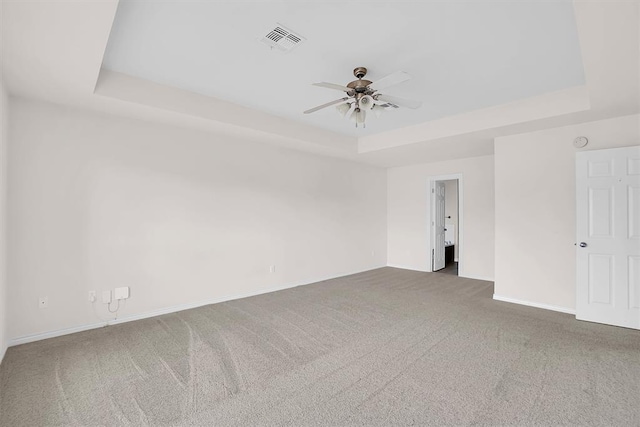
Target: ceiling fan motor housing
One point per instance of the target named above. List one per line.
(360, 85)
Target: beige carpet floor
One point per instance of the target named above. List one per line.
(385, 347)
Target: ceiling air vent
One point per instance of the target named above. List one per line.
(282, 39)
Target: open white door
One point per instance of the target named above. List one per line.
(608, 236)
(438, 226)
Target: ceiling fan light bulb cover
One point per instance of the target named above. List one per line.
(378, 110)
(366, 102)
(343, 108)
(361, 117)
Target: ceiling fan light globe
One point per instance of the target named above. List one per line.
(361, 117)
(378, 110)
(343, 109)
(366, 102)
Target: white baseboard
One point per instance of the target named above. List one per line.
(486, 279)
(56, 333)
(167, 310)
(460, 274)
(535, 304)
(404, 267)
(3, 351)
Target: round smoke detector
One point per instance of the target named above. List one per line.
(580, 142)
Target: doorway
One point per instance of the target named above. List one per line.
(446, 224)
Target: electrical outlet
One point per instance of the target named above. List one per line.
(106, 297)
(272, 269)
(43, 302)
(92, 296)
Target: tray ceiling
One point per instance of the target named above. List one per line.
(463, 56)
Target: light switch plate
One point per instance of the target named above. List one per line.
(121, 293)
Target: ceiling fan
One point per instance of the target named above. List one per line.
(364, 96)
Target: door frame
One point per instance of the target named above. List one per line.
(430, 225)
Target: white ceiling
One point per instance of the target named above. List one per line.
(53, 51)
(463, 56)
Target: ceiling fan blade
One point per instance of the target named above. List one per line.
(333, 86)
(390, 80)
(328, 104)
(384, 104)
(399, 101)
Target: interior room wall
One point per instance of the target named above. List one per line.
(4, 126)
(179, 216)
(535, 208)
(408, 212)
(451, 209)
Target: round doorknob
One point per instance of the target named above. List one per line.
(583, 245)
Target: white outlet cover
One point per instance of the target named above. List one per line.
(121, 293)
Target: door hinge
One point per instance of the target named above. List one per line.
(433, 256)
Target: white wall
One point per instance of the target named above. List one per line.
(4, 126)
(535, 208)
(451, 209)
(180, 216)
(408, 212)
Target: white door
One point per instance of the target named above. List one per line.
(438, 226)
(608, 236)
